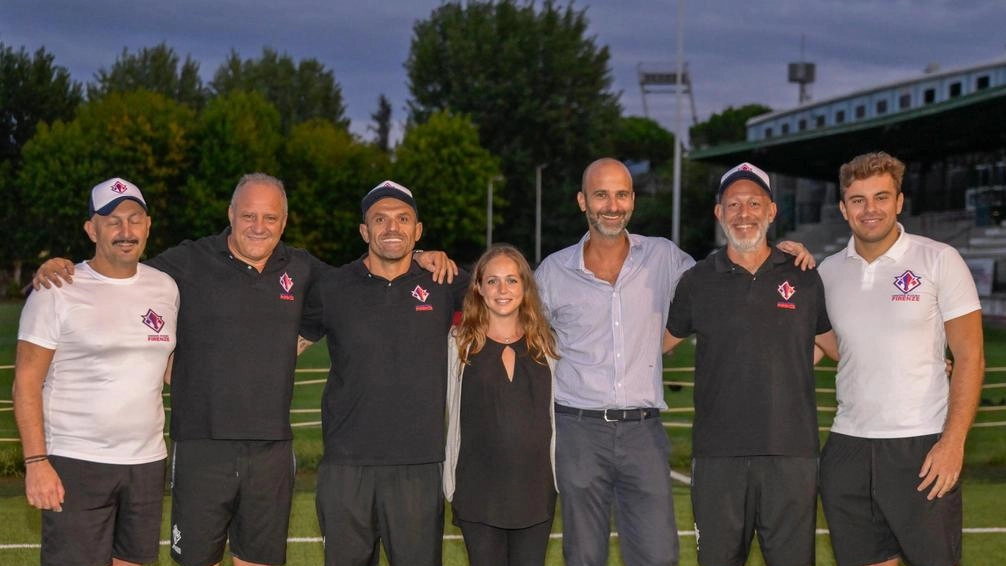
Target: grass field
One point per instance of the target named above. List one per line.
(984, 488)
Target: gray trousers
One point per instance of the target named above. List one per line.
(621, 467)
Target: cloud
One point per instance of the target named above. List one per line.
(737, 50)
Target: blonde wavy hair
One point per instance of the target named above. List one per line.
(471, 333)
(867, 165)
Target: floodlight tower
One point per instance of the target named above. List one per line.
(658, 78)
(802, 73)
(662, 78)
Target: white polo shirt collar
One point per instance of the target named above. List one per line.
(893, 253)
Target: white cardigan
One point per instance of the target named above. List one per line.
(455, 371)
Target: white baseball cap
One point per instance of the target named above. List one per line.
(107, 195)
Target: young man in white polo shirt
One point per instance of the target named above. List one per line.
(91, 362)
(890, 468)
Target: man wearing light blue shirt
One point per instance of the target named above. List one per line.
(606, 298)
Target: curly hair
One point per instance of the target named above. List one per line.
(471, 333)
(867, 165)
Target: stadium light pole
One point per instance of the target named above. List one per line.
(678, 141)
(537, 212)
(489, 210)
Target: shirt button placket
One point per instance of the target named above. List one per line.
(618, 347)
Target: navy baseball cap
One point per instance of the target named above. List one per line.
(744, 171)
(387, 189)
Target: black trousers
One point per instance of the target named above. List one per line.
(493, 546)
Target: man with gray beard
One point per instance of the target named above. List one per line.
(756, 317)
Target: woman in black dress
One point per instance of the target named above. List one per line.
(499, 472)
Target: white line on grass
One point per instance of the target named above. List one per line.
(679, 477)
(987, 425)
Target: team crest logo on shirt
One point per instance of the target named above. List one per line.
(906, 283)
(119, 187)
(786, 291)
(286, 282)
(421, 295)
(154, 322)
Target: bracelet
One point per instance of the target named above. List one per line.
(417, 252)
(34, 459)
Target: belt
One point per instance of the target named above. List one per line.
(611, 415)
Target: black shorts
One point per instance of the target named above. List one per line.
(875, 512)
(109, 510)
(735, 497)
(231, 489)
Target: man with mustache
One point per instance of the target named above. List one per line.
(91, 362)
(386, 321)
(754, 441)
(890, 470)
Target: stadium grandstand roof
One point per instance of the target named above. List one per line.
(938, 114)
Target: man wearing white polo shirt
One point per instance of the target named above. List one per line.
(890, 468)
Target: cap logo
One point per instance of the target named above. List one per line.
(387, 189)
(119, 187)
(153, 320)
(745, 167)
(396, 186)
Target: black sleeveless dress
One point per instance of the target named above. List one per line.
(504, 471)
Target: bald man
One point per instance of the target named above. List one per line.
(606, 297)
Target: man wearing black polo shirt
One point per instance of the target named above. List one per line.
(386, 321)
(242, 297)
(755, 439)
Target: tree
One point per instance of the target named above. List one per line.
(447, 169)
(382, 123)
(652, 215)
(141, 136)
(299, 91)
(326, 173)
(236, 133)
(643, 139)
(33, 91)
(728, 126)
(536, 85)
(155, 69)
